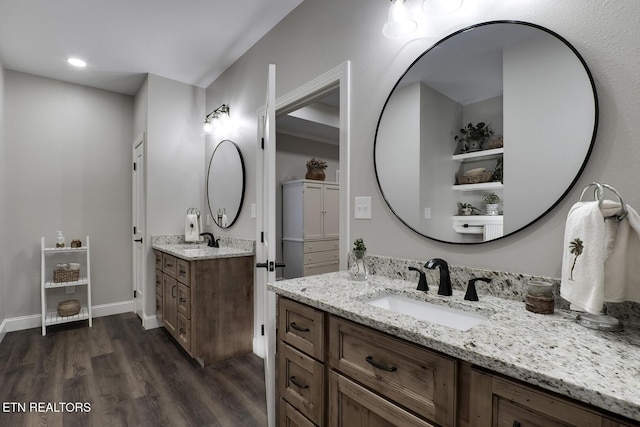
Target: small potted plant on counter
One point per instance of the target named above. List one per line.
(358, 270)
(472, 136)
(315, 169)
(491, 203)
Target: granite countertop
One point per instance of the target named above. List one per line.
(551, 351)
(199, 251)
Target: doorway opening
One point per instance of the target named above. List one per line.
(308, 211)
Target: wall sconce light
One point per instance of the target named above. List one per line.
(220, 114)
(399, 20)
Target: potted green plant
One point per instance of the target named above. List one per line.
(467, 209)
(359, 249)
(491, 203)
(472, 136)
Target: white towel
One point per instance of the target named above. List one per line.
(582, 282)
(608, 267)
(622, 265)
(192, 228)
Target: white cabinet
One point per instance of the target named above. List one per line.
(310, 227)
(49, 258)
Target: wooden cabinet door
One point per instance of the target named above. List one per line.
(501, 402)
(331, 211)
(352, 405)
(170, 302)
(313, 217)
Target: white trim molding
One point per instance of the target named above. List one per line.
(20, 323)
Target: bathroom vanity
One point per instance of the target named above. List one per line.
(344, 361)
(204, 297)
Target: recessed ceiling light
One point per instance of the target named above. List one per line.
(77, 62)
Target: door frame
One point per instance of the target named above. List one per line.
(338, 77)
(139, 191)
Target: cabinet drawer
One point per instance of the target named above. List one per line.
(289, 417)
(158, 260)
(301, 382)
(353, 405)
(184, 300)
(159, 306)
(321, 246)
(421, 380)
(169, 265)
(302, 327)
(318, 257)
(183, 332)
(159, 282)
(321, 268)
(498, 401)
(183, 270)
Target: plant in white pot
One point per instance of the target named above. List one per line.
(491, 203)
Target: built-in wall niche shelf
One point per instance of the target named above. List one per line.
(494, 153)
(479, 187)
(50, 256)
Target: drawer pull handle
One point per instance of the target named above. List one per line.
(298, 328)
(182, 331)
(516, 424)
(169, 265)
(183, 272)
(173, 288)
(296, 383)
(379, 365)
(183, 300)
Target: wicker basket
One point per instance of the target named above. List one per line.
(475, 179)
(69, 308)
(65, 275)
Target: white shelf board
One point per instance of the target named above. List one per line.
(64, 250)
(53, 318)
(83, 281)
(479, 155)
(479, 187)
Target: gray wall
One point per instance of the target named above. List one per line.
(171, 115)
(321, 34)
(67, 156)
(3, 210)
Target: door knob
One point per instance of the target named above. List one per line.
(138, 240)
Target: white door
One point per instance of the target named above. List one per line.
(266, 236)
(138, 203)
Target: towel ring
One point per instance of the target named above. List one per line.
(598, 194)
(193, 211)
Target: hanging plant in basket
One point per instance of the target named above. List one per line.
(315, 169)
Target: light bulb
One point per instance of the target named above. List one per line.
(399, 21)
(207, 128)
(77, 62)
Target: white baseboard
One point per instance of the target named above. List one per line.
(258, 346)
(35, 320)
(151, 322)
(3, 329)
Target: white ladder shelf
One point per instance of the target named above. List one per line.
(46, 283)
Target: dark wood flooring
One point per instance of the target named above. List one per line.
(126, 376)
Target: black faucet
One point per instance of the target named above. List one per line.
(422, 283)
(472, 294)
(445, 281)
(213, 242)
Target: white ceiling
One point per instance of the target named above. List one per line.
(192, 41)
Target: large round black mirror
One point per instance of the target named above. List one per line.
(225, 183)
(533, 91)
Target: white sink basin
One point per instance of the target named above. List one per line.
(439, 314)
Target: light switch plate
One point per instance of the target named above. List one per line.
(363, 208)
